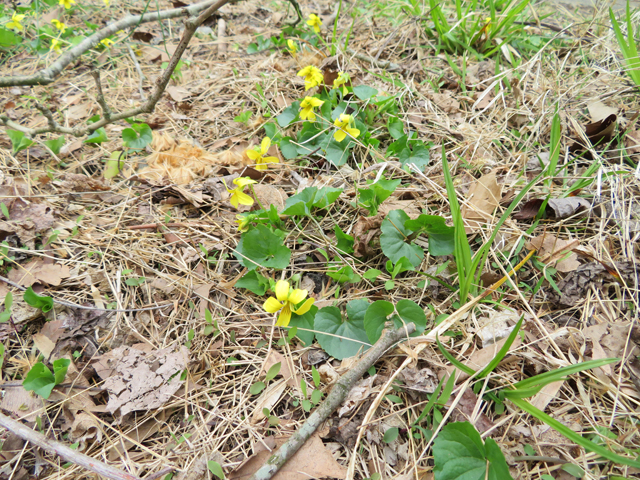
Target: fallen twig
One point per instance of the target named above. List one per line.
(335, 398)
(63, 451)
(48, 75)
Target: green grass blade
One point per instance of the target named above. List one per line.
(454, 361)
(430, 403)
(503, 351)
(573, 436)
(558, 374)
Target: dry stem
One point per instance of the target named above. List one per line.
(335, 398)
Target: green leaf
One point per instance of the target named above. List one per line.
(98, 136)
(390, 435)
(256, 388)
(459, 454)
(273, 371)
(304, 322)
(288, 149)
(364, 92)
(343, 275)
(216, 469)
(410, 312)
(39, 380)
(5, 211)
(32, 298)
(346, 337)
(288, 115)
(375, 318)
(55, 145)
(345, 242)
(325, 196)
(573, 469)
(338, 152)
(314, 374)
(419, 156)
(19, 140)
(243, 117)
(8, 302)
(441, 237)
(60, 367)
(260, 247)
(254, 282)
(311, 197)
(371, 274)
(114, 165)
(138, 136)
(396, 127)
(316, 396)
(394, 236)
(8, 39)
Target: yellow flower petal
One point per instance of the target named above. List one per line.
(339, 135)
(354, 132)
(243, 181)
(304, 308)
(271, 305)
(264, 146)
(252, 154)
(242, 198)
(297, 296)
(282, 290)
(271, 160)
(285, 317)
(260, 167)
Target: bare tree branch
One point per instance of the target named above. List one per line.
(48, 75)
(68, 454)
(335, 398)
(161, 83)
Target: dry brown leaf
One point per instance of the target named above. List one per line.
(269, 195)
(183, 162)
(313, 460)
(555, 252)
(286, 372)
(546, 395)
(83, 183)
(22, 404)
(483, 199)
(177, 93)
(357, 395)
(480, 358)
(44, 344)
(141, 381)
(446, 102)
(36, 271)
(85, 427)
(268, 399)
(566, 207)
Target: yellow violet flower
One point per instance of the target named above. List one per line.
(15, 24)
(306, 108)
(66, 3)
(312, 76)
(106, 2)
(343, 123)
(286, 301)
(342, 80)
(107, 42)
(237, 195)
(243, 222)
(55, 46)
(293, 48)
(258, 156)
(59, 25)
(314, 22)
